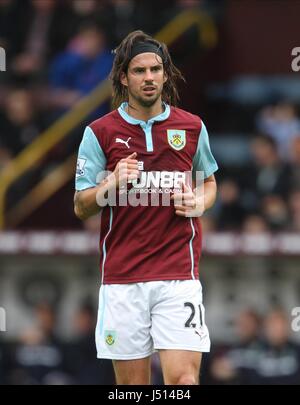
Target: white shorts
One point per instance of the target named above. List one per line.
(134, 320)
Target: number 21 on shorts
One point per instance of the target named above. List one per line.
(191, 321)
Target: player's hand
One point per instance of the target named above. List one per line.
(126, 170)
(187, 202)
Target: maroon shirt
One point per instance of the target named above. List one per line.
(147, 243)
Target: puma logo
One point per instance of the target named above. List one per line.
(201, 334)
(119, 140)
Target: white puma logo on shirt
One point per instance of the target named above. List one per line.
(119, 140)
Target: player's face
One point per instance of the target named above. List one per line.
(145, 79)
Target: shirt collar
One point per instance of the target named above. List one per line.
(161, 117)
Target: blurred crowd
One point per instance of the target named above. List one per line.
(42, 357)
(263, 194)
(51, 65)
(262, 353)
(57, 51)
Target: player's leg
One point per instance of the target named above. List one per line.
(123, 331)
(129, 372)
(180, 367)
(178, 329)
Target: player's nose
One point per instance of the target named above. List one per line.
(148, 76)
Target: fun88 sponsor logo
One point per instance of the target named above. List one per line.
(159, 179)
(154, 183)
(160, 185)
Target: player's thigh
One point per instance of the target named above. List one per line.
(178, 317)
(180, 367)
(123, 325)
(130, 372)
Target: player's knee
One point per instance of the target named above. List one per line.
(133, 379)
(187, 379)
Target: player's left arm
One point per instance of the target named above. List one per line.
(210, 192)
(194, 202)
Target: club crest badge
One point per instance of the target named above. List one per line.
(176, 138)
(110, 337)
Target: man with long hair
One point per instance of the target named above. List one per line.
(150, 296)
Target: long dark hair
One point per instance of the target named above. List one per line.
(121, 62)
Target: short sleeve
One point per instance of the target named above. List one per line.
(204, 160)
(91, 161)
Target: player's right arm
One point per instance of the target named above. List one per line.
(86, 202)
(91, 164)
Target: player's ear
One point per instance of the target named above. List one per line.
(123, 79)
(165, 77)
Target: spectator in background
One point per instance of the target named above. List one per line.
(295, 162)
(89, 10)
(123, 17)
(20, 123)
(85, 10)
(39, 357)
(255, 224)
(279, 360)
(230, 212)
(235, 365)
(281, 122)
(7, 16)
(40, 32)
(275, 212)
(208, 223)
(79, 69)
(267, 174)
(294, 206)
(10, 11)
(83, 363)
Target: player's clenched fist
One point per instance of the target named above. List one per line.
(126, 170)
(188, 203)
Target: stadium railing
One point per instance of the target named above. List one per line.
(237, 272)
(85, 243)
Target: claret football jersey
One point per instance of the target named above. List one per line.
(145, 240)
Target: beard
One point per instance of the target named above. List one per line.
(146, 101)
